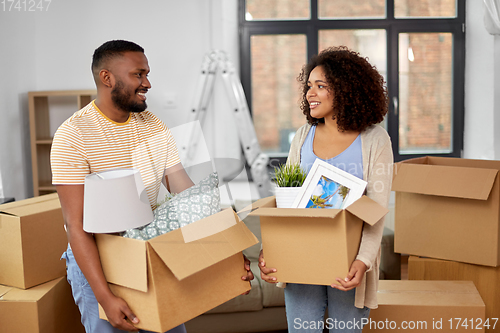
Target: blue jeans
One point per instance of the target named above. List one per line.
(87, 303)
(306, 305)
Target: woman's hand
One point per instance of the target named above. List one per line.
(354, 278)
(264, 271)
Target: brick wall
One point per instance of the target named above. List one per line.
(425, 106)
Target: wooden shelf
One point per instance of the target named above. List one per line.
(44, 142)
(46, 187)
(89, 92)
(48, 110)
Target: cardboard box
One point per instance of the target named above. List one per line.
(448, 208)
(177, 276)
(326, 239)
(32, 240)
(485, 278)
(427, 306)
(46, 308)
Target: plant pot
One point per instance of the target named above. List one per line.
(285, 196)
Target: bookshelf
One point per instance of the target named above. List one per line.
(47, 111)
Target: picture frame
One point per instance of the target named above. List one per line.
(327, 186)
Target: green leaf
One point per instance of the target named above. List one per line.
(290, 175)
(168, 196)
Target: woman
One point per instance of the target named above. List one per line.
(343, 98)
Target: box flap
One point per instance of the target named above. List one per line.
(264, 202)
(208, 226)
(295, 212)
(428, 293)
(367, 210)
(417, 160)
(28, 201)
(123, 261)
(4, 290)
(31, 206)
(427, 286)
(463, 162)
(32, 294)
(364, 208)
(456, 182)
(186, 258)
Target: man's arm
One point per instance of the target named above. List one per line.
(87, 257)
(177, 179)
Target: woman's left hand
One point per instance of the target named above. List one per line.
(354, 278)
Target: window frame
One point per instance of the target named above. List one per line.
(393, 26)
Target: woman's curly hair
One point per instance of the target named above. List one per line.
(359, 92)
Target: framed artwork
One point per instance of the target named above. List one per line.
(327, 186)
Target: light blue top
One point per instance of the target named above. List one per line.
(350, 160)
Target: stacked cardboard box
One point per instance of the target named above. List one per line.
(485, 278)
(448, 209)
(45, 308)
(32, 239)
(34, 293)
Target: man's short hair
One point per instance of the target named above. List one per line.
(110, 50)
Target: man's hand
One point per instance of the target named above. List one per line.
(119, 314)
(249, 277)
(354, 278)
(264, 271)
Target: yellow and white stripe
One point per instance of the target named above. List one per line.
(90, 142)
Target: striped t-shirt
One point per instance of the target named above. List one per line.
(91, 142)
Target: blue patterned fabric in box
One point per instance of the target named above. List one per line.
(193, 204)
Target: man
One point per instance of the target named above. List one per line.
(112, 132)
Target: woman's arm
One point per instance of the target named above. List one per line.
(379, 190)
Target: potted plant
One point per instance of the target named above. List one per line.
(289, 179)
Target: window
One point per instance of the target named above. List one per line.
(418, 46)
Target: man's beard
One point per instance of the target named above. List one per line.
(121, 99)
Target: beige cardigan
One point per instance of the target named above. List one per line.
(377, 171)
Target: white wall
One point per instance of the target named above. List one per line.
(481, 82)
(52, 51)
(496, 94)
(17, 65)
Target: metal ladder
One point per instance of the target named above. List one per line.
(214, 62)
